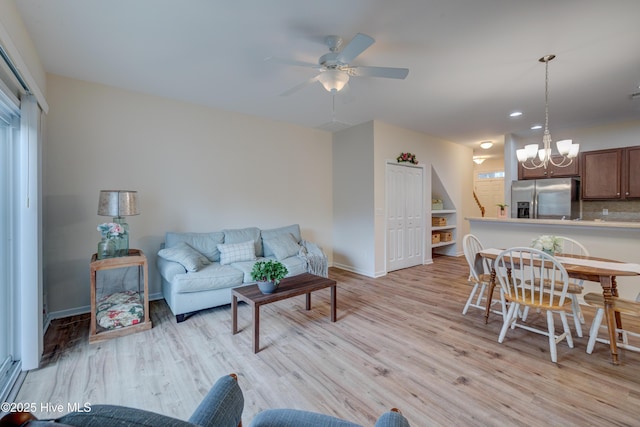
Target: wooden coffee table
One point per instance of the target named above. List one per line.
(289, 287)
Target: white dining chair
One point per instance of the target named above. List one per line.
(535, 287)
(479, 276)
(623, 306)
(571, 246)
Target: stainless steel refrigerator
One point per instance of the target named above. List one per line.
(550, 198)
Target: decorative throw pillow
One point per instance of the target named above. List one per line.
(237, 252)
(294, 229)
(240, 235)
(283, 246)
(190, 259)
(205, 243)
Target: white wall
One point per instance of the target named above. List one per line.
(360, 155)
(452, 162)
(195, 168)
(353, 182)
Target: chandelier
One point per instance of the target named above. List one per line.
(567, 149)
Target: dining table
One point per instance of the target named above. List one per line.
(593, 269)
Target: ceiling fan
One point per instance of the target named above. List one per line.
(335, 69)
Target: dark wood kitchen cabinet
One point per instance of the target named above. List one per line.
(632, 173)
(611, 174)
(552, 171)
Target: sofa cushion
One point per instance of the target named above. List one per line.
(191, 259)
(281, 246)
(237, 252)
(120, 309)
(246, 267)
(294, 230)
(213, 276)
(205, 243)
(295, 265)
(242, 235)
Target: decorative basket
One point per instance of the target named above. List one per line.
(438, 221)
(446, 236)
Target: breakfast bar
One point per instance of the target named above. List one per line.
(603, 239)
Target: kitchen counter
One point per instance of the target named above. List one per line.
(619, 241)
(562, 222)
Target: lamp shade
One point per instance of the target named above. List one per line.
(333, 80)
(118, 203)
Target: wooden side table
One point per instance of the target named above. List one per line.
(136, 258)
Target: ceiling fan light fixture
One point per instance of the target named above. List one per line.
(333, 80)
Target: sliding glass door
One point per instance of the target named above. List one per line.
(9, 366)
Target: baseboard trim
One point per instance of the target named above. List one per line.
(353, 270)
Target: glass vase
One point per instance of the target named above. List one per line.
(122, 245)
(122, 241)
(106, 248)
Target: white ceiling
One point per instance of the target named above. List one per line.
(471, 62)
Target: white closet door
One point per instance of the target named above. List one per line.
(414, 230)
(405, 228)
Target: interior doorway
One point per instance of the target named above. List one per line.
(489, 187)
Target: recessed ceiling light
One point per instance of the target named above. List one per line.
(486, 145)
(515, 114)
(536, 127)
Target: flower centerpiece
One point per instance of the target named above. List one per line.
(548, 244)
(110, 246)
(407, 158)
(268, 275)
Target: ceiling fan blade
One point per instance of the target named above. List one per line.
(300, 86)
(291, 62)
(355, 47)
(386, 72)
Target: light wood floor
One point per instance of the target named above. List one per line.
(400, 341)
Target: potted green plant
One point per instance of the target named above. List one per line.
(502, 213)
(268, 275)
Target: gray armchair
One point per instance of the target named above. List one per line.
(296, 418)
(221, 407)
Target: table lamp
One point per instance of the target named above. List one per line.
(118, 204)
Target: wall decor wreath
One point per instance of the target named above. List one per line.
(407, 158)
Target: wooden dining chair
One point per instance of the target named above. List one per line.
(479, 276)
(621, 305)
(529, 278)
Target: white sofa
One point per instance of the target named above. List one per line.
(199, 270)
